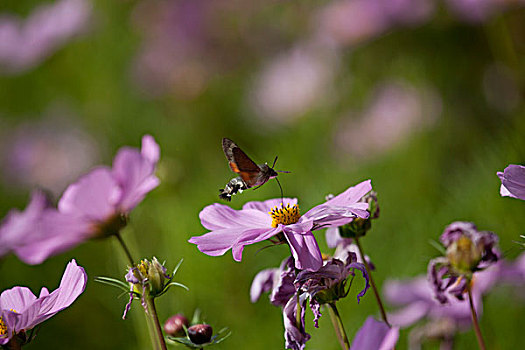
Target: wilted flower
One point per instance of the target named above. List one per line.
(97, 205)
(468, 251)
(416, 297)
(24, 44)
(258, 221)
(148, 280)
(21, 310)
(513, 181)
(290, 289)
(375, 335)
(329, 283)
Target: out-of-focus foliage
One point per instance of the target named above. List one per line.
(428, 105)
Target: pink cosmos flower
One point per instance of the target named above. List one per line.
(97, 205)
(21, 310)
(258, 221)
(513, 181)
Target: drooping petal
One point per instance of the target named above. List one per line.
(263, 282)
(93, 196)
(360, 267)
(409, 315)
(217, 242)
(135, 173)
(219, 216)
(294, 334)
(513, 181)
(375, 335)
(252, 236)
(305, 251)
(285, 288)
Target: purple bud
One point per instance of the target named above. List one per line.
(200, 333)
(174, 325)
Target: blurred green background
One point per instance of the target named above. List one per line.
(429, 108)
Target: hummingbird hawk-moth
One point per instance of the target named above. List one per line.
(250, 174)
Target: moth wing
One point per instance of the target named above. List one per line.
(240, 163)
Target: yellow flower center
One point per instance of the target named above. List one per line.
(3, 328)
(284, 215)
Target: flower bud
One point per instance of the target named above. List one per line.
(174, 325)
(464, 255)
(200, 333)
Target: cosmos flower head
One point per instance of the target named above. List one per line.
(259, 221)
(513, 181)
(467, 252)
(21, 310)
(97, 205)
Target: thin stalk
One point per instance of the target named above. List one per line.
(475, 320)
(126, 250)
(374, 288)
(156, 324)
(338, 326)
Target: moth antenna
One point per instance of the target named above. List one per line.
(283, 171)
(282, 195)
(274, 161)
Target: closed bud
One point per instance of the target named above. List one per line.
(174, 325)
(200, 333)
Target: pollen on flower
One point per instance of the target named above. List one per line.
(285, 215)
(3, 327)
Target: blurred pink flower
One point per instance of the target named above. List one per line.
(25, 43)
(351, 22)
(395, 112)
(294, 83)
(48, 153)
(95, 206)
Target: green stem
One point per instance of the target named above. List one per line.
(338, 326)
(125, 248)
(374, 288)
(475, 319)
(156, 324)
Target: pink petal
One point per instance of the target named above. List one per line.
(93, 196)
(305, 251)
(219, 216)
(269, 204)
(150, 149)
(136, 176)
